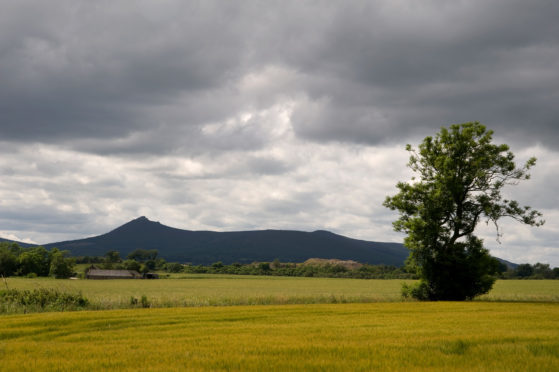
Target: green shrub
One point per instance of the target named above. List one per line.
(419, 291)
(173, 267)
(144, 301)
(42, 299)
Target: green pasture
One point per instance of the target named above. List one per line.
(395, 336)
(216, 290)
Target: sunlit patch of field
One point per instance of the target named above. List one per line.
(444, 336)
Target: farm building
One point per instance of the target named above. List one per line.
(94, 273)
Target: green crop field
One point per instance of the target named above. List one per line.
(444, 336)
(203, 290)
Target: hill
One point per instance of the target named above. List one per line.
(21, 244)
(206, 247)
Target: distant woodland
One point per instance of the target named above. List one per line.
(39, 261)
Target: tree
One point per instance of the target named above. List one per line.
(460, 177)
(35, 261)
(112, 257)
(542, 271)
(8, 258)
(174, 267)
(217, 265)
(524, 270)
(60, 266)
(132, 265)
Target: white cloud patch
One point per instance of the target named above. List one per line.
(53, 194)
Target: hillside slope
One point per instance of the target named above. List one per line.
(21, 244)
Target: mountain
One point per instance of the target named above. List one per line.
(510, 265)
(206, 247)
(21, 244)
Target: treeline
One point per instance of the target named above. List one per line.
(35, 261)
(535, 271)
(327, 270)
(146, 260)
(333, 270)
(38, 261)
(141, 260)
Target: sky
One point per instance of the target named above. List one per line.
(226, 116)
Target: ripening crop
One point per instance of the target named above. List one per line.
(400, 336)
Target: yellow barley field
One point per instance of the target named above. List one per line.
(394, 336)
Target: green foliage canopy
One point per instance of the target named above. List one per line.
(60, 266)
(460, 177)
(8, 258)
(112, 257)
(34, 261)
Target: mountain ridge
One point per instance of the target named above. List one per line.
(205, 247)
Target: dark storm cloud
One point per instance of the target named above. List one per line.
(416, 68)
(100, 70)
(110, 77)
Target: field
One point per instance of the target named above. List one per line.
(471, 336)
(322, 325)
(216, 290)
(204, 290)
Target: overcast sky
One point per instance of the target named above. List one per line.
(237, 115)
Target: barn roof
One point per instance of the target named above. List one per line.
(114, 273)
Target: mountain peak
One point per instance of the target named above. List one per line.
(143, 220)
(323, 232)
(140, 225)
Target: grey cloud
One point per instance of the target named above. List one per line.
(41, 219)
(295, 203)
(417, 72)
(105, 74)
(234, 165)
(268, 165)
(91, 71)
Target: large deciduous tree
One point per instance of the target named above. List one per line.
(61, 267)
(34, 260)
(8, 258)
(460, 175)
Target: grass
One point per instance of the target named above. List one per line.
(524, 290)
(216, 290)
(219, 290)
(397, 336)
